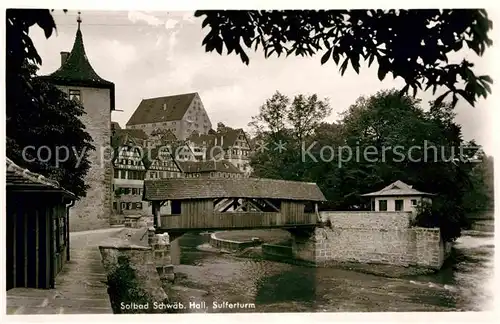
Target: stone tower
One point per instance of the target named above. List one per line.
(77, 78)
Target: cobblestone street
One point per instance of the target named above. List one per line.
(80, 287)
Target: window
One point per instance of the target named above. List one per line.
(138, 205)
(413, 202)
(123, 174)
(116, 174)
(134, 191)
(176, 207)
(115, 205)
(75, 95)
(382, 205)
(399, 204)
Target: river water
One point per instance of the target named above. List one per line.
(465, 284)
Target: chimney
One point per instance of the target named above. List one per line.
(221, 140)
(64, 57)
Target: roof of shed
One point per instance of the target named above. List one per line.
(17, 176)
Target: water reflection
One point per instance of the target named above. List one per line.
(464, 283)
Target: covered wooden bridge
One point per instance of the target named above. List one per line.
(244, 203)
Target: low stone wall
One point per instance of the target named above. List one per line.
(372, 237)
(116, 219)
(229, 245)
(138, 221)
(277, 251)
(132, 278)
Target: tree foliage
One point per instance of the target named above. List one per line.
(411, 44)
(39, 117)
(421, 147)
(289, 122)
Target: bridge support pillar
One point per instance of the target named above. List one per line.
(304, 244)
(161, 249)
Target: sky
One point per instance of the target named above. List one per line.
(158, 53)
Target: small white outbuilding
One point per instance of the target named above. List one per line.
(398, 196)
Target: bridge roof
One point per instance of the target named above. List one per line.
(196, 188)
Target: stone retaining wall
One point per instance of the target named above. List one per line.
(229, 245)
(138, 221)
(277, 250)
(132, 277)
(373, 237)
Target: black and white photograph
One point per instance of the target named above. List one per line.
(248, 160)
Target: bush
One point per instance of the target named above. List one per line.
(123, 287)
(443, 214)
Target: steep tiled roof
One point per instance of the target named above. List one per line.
(398, 188)
(121, 139)
(229, 137)
(212, 142)
(152, 154)
(161, 109)
(165, 135)
(195, 188)
(78, 71)
(135, 133)
(17, 176)
(208, 166)
(202, 139)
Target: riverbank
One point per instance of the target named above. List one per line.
(280, 287)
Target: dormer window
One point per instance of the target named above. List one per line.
(75, 95)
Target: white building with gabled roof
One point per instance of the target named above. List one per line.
(398, 196)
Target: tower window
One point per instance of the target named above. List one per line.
(75, 95)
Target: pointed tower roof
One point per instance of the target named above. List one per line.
(78, 71)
